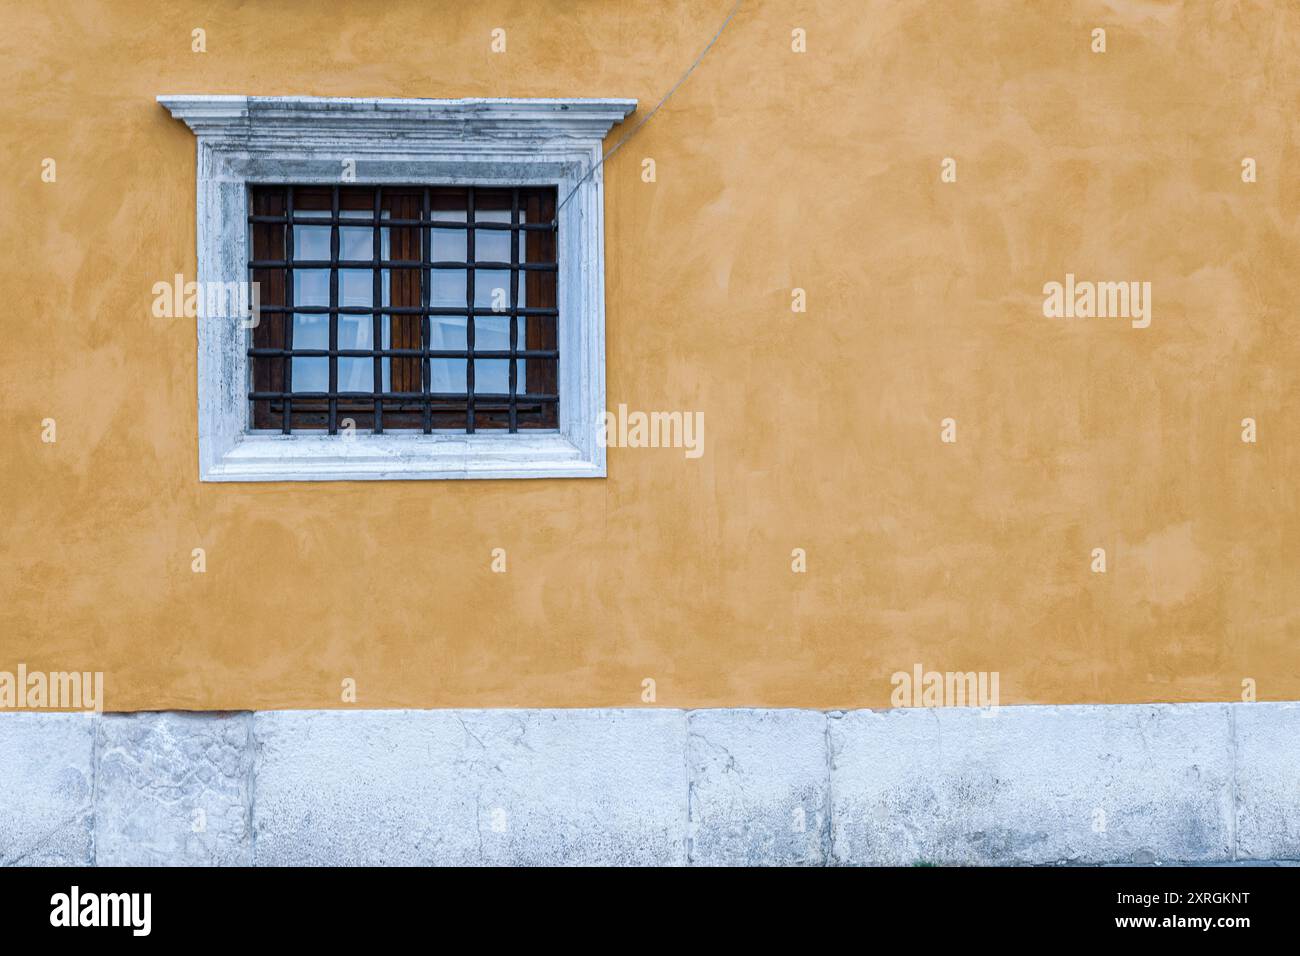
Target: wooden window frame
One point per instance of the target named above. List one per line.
(480, 142)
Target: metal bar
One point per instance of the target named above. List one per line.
(334, 319)
(469, 305)
(426, 277)
(287, 425)
(514, 304)
(267, 351)
(496, 397)
(400, 310)
(377, 325)
(555, 297)
(426, 222)
(412, 264)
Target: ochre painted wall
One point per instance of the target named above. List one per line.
(775, 170)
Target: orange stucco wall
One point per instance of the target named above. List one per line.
(775, 170)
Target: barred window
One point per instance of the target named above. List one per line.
(404, 308)
(411, 259)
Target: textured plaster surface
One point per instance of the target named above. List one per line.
(774, 170)
(1112, 785)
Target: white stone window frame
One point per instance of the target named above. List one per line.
(301, 140)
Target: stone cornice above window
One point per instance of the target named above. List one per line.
(248, 119)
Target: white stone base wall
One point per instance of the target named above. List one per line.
(1191, 783)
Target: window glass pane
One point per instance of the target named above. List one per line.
(311, 331)
(311, 374)
(491, 376)
(447, 287)
(355, 242)
(356, 287)
(356, 374)
(311, 287)
(385, 244)
(491, 245)
(492, 289)
(311, 242)
(492, 333)
(447, 375)
(447, 245)
(447, 332)
(521, 382)
(387, 363)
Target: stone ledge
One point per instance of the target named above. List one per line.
(1033, 785)
(532, 787)
(759, 787)
(173, 789)
(1088, 784)
(46, 798)
(1267, 781)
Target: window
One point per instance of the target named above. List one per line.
(431, 286)
(390, 308)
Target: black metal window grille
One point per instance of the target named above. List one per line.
(404, 308)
